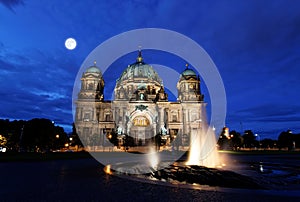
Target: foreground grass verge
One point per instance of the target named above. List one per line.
(31, 156)
(259, 152)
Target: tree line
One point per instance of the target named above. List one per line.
(35, 135)
(40, 135)
(233, 140)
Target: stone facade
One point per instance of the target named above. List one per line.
(140, 108)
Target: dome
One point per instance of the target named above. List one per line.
(188, 72)
(139, 71)
(93, 69)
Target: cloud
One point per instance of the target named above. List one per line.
(36, 85)
(48, 95)
(10, 4)
(270, 110)
(266, 118)
(255, 45)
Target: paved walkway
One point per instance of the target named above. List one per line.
(84, 180)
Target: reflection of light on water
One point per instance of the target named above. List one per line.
(107, 170)
(221, 165)
(261, 168)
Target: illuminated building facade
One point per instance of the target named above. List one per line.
(140, 108)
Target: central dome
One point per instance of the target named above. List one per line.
(140, 82)
(139, 71)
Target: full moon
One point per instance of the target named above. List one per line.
(70, 43)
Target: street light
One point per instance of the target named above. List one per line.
(70, 141)
(257, 135)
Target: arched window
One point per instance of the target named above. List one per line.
(90, 86)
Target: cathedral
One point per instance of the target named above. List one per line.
(140, 108)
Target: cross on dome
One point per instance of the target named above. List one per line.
(140, 59)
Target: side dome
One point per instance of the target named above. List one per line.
(93, 69)
(188, 72)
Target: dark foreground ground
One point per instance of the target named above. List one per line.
(83, 179)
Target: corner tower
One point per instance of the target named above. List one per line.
(188, 86)
(92, 84)
(93, 117)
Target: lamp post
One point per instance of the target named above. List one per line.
(71, 139)
(103, 135)
(257, 135)
(57, 146)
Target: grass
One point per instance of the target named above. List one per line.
(36, 157)
(260, 152)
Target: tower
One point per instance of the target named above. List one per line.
(90, 98)
(92, 84)
(188, 86)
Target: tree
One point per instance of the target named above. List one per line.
(60, 138)
(33, 135)
(285, 139)
(268, 143)
(3, 141)
(11, 130)
(297, 140)
(236, 140)
(41, 135)
(128, 141)
(249, 139)
(75, 137)
(223, 140)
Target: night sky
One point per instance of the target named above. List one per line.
(254, 44)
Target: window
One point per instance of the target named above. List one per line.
(141, 121)
(174, 118)
(91, 86)
(86, 116)
(107, 117)
(142, 97)
(85, 131)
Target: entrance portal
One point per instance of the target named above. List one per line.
(141, 130)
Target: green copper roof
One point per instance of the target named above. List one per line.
(93, 69)
(188, 72)
(139, 69)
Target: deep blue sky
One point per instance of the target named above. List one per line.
(254, 44)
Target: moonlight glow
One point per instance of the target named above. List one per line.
(70, 43)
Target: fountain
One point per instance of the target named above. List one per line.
(203, 150)
(153, 158)
(156, 166)
(201, 167)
